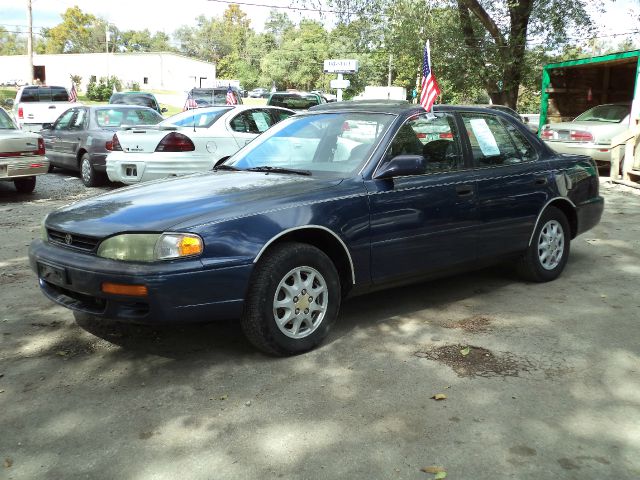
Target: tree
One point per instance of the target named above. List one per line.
(277, 24)
(78, 32)
(11, 43)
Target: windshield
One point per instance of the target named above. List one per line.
(605, 113)
(116, 117)
(197, 118)
(141, 100)
(5, 121)
(328, 142)
(294, 101)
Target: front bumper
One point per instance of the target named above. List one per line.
(130, 168)
(600, 153)
(178, 291)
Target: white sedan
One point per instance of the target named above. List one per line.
(189, 142)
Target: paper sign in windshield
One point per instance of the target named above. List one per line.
(486, 140)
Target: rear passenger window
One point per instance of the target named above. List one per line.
(59, 94)
(491, 144)
(262, 120)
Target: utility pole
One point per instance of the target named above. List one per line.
(30, 43)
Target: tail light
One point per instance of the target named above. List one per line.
(113, 145)
(40, 150)
(20, 113)
(175, 142)
(422, 135)
(446, 135)
(547, 134)
(581, 136)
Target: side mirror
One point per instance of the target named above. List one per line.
(402, 166)
(47, 126)
(163, 110)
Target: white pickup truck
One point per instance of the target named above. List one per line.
(36, 105)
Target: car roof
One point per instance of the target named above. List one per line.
(119, 106)
(133, 93)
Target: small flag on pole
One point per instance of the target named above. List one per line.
(190, 103)
(429, 89)
(73, 94)
(231, 98)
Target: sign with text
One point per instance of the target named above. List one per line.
(340, 66)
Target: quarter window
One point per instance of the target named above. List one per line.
(491, 144)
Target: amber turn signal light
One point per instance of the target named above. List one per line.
(123, 289)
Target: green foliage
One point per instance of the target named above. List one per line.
(11, 43)
(101, 91)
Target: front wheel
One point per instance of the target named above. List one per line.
(548, 253)
(25, 185)
(292, 301)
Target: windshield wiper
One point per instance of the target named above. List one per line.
(268, 169)
(226, 167)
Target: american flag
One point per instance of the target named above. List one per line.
(429, 89)
(190, 103)
(231, 98)
(73, 94)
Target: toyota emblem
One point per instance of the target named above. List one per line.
(68, 239)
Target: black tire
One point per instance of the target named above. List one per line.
(88, 174)
(258, 320)
(51, 167)
(25, 184)
(531, 266)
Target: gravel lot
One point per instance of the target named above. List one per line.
(549, 388)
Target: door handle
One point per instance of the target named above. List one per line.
(540, 181)
(52, 107)
(464, 190)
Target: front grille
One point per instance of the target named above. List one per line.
(78, 242)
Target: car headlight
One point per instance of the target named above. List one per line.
(148, 247)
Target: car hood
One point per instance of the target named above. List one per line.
(184, 202)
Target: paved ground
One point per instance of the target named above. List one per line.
(550, 387)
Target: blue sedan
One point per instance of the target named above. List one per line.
(345, 199)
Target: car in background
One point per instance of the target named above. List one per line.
(259, 93)
(590, 133)
(191, 141)
(36, 105)
(80, 138)
(295, 100)
(22, 155)
(207, 97)
(144, 99)
(277, 236)
(329, 97)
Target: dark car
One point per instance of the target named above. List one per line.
(338, 201)
(143, 99)
(295, 100)
(207, 97)
(79, 139)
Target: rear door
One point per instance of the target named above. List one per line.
(512, 183)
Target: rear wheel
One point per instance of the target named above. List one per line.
(292, 301)
(25, 185)
(548, 253)
(90, 177)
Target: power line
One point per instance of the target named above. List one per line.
(282, 7)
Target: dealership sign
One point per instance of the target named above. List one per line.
(340, 66)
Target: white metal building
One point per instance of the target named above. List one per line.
(166, 71)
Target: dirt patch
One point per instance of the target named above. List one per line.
(473, 324)
(479, 362)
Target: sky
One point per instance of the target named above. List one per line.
(167, 16)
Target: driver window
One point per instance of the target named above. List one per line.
(64, 120)
(433, 136)
(77, 122)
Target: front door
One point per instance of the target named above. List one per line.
(423, 223)
(53, 138)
